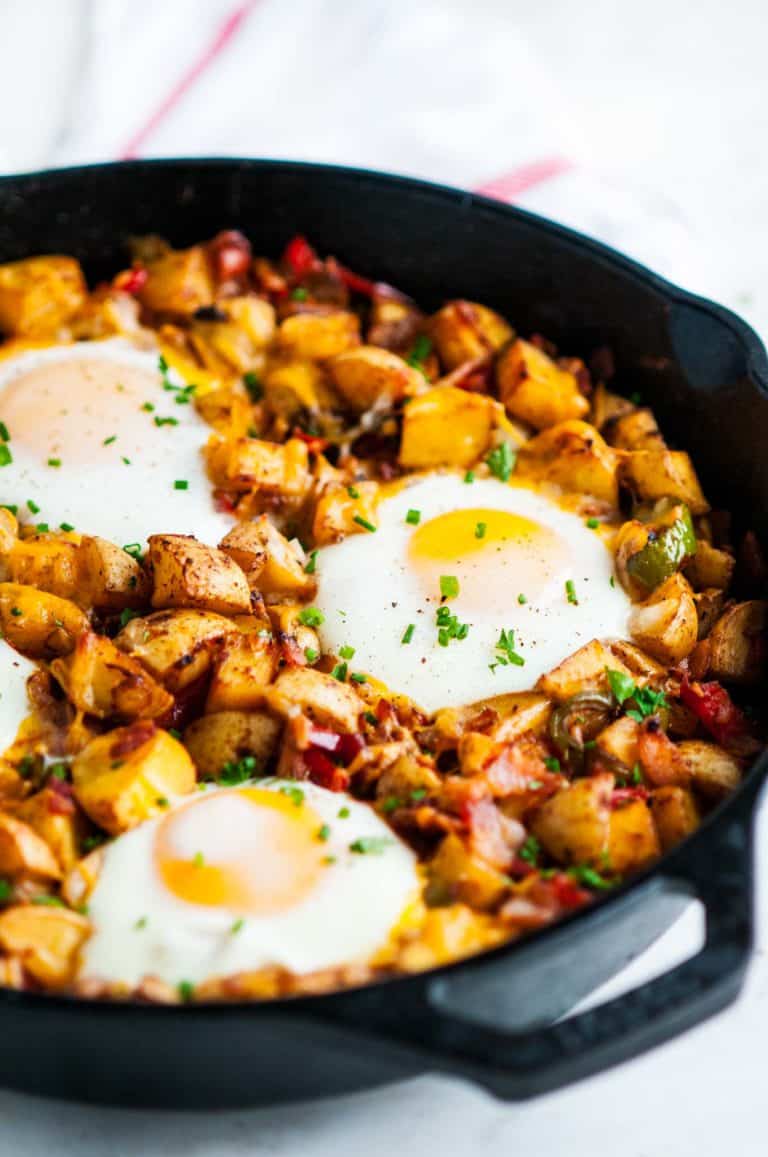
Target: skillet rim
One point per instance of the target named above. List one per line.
(742, 800)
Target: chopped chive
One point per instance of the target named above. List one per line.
(11, 507)
(299, 293)
(449, 586)
(55, 462)
(501, 461)
(551, 763)
(133, 549)
(186, 990)
(357, 677)
(469, 476)
(370, 718)
(408, 634)
(166, 421)
(366, 525)
(32, 507)
(311, 566)
(324, 832)
(593, 523)
(522, 599)
(66, 527)
(353, 492)
(612, 581)
(148, 408)
(370, 845)
(413, 517)
(109, 441)
(311, 655)
(253, 386)
(5, 455)
(480, 530)
(570, 591)
(181, 484)
(6, 437)
(311, 617)
(340, 672)
(140, 923)
(237, 926)
(42, 528)
(347, 652)
(343, 813)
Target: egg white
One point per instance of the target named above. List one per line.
(369, 593)
(142, 929)
(94, 488)
(15, 669)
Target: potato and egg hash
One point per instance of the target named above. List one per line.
(339, 640)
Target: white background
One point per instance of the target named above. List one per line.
(660, 109)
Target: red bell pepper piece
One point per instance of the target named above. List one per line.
(131, 280)
(567, 893)
(300, 257)
(230, 254)
(323, 772)
(715, 710)
(314, 442)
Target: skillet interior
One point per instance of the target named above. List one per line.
(705, 374)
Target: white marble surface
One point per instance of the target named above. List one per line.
(661, 108)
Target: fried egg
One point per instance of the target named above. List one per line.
(495, 557)
(231, 880)
(15, 669)
(95, 441)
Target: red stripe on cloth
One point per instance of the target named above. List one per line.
(224, 36)
(510, 185)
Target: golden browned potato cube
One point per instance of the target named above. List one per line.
(633, 842)
(289, 389)
(37, 623)
(457, 873)
(463, 330)
(636, 431)
(318, 336)
(46, 562)
(9, 533)
(710, 567)
(521, 712)
(62, 830)
(227, 736)
(178, 282)
(574, 825)
(666, 625)
(654, 474)
(185, 573)
(23, 852)
(584, 668)
(286, 623)
(713, 771)
(675, 813)
(370, 376)
(635, 659)
(252, 464)
(737, 643)
(320, 696)
(46, 939)
(242, 672)
(535, 390)
(339, 512)
(109, 578)
(176, 646)
(574, 456)
(103, 681)
(130, 774)
(619, 741)
(270, 563)
(39, 295)
(446, 427)
(236, 345)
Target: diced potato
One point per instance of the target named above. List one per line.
(251, 464)
(737, 643)
(457, 873)
(178, 282)
(185, 573)
(46, 562)
(636, 431)
(62, 829)
(709, 607)
(446, 427)
(449, 934)
(633, 842)
(619, 741)
(103, 681)
(237, 344)
(295, 387)
(338, 513)
(176, 646)
(9, 533)
(535, 390)
(227, 736)
(464, 330)
(654, 474)
(23, 852)
(39, 295)
(666, 624)
(585, 668)
(323, 698)
(574, 825)
(675, 813)
(47, 940)
(713, 771)
(37, 623)
(662, 761)
(574, 456)
(81, 879)
(370, 376)
(607, 406)
(270, 563)
(287, 624)
(319, 336)
(518, 712)
(109, 579)
(710, 567)
(130, 774)
(635, 659)
(244, 668)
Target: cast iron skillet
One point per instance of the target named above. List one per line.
(489, 1019)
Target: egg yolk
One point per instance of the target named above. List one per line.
(85, 403)
(248, 850)
(484, 548)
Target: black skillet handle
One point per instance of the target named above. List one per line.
(513, 1065)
